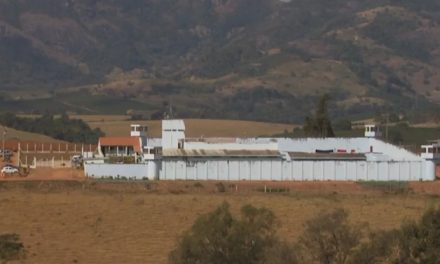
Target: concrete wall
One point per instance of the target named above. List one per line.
(145, 170)
(277, 170)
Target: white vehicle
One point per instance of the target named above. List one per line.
(9, 170)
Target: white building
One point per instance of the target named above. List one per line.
(175, 157)
(133, 156)
(173, 132)
(304, 159)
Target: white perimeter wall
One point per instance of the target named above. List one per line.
(145, 170)
(278, 170)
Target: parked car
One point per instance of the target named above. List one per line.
(8, 169)
(7, 152)
(77, 159)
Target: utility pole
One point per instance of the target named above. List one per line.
(386, 126)
(171, 110)
(3, 142)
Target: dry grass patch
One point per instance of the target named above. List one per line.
(14, 134)
(126, 225)
(195, 127)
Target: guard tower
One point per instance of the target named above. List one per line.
(431, 155)
(431, 151)
(138, 130)
(372, 131)
(173, 134)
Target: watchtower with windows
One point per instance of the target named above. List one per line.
(372, 131)
(431, 151)
(138, 130)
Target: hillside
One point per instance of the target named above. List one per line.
(13, 134)
(232, 59)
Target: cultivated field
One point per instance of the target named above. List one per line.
(96, 222)
(117, 126)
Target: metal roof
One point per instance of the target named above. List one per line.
(219, 153)
(212, 140)
(326, 156)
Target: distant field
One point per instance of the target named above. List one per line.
(28, 136)
(134, 224)
(100, 118)
(117, 126)
(427, 125)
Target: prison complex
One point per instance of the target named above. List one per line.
(176, 157)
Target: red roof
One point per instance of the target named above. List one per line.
(134, 142)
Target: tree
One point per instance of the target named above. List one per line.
(414, 242)
(381, 247)
(282, 253)
(10, 247)
(420, 242)
(219, 238)
(320, 125)
(329, 239)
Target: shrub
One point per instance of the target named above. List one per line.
(220, 187)
(328, 238)
(10, 247)
(218, 238)
(198, 185)
(414, 242)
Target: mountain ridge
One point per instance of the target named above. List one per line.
(242, 59)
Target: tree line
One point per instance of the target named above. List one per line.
(329, 238)
(62, 128)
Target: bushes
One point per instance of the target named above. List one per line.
(220, 187)
(328, 238)
(10, 247)
(218, 237)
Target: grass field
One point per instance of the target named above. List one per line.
(117, 126)
(13, 134)
(130, 223)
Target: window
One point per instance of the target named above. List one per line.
(180, 145)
